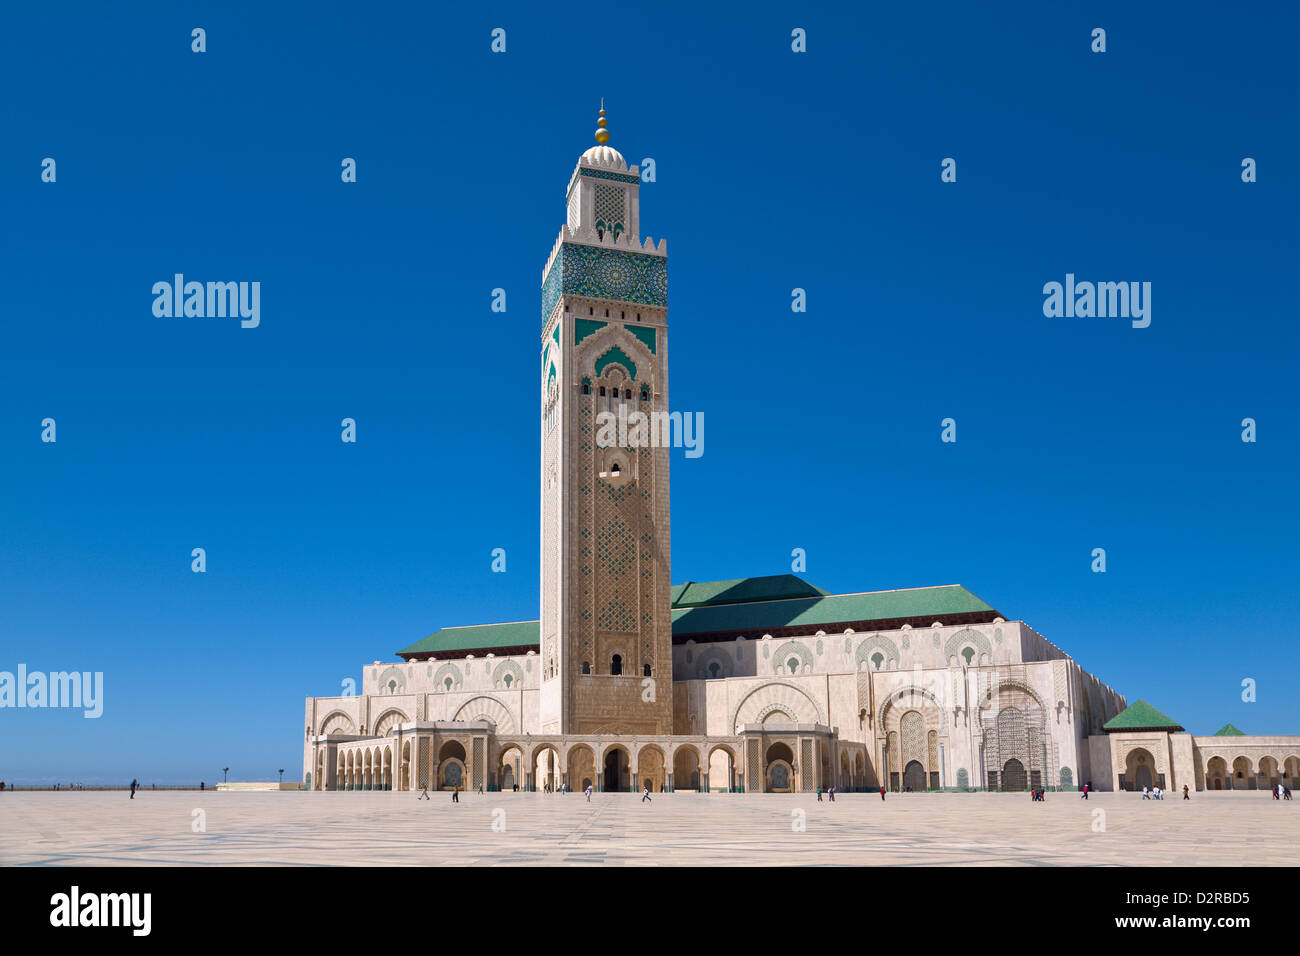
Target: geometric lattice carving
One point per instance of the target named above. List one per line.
(912, 728)
(607, 206)
(487, 708)
(879, 652)
(389, 722)
(792, 651)
(1012, 741)
(337, 724)
(479, 744)
(968, 636)
(392, 681)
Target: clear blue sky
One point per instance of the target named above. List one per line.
(775, 170)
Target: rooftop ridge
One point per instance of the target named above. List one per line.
(822, 597)
(461, 627)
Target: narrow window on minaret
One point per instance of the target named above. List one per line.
(616, 665)
(602, 391)
(646, 670)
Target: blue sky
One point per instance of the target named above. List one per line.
(775, 170)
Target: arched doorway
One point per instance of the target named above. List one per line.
(722, 769)
(615, 779)
(1013, 776)
(650, 768)
(780, 768)
(581, 764)
(1243, 777)
(510, 767)
(546, 768)
(1140, 770)
(1270, 775)
(1216, 773)
(686, 769)
(914, 776)
(451, 766)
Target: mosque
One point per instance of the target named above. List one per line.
(754, 685)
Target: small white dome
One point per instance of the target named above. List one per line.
(604, 156)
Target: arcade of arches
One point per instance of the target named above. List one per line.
(471, 755)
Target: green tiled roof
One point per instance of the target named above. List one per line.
(478, 637)
(744, 605)
(774, 587)
(1140, 716)
(761, 616)
(1228, 730)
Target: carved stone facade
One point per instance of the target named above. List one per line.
(761, 684)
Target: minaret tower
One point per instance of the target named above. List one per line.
(605, 619)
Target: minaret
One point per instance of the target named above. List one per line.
(605, 619)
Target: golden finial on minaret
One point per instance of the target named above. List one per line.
(602, 134)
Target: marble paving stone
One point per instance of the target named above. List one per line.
(395, 829)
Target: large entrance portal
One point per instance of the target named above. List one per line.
(914, 776)
(1013, 776)
(616, 771)
(780, 768)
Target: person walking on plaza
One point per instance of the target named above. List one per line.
(645, 795)
(830, 792)
(1085, 791)
(819, 794)
(134, 784)
(424, 793)
(882, 793)
(588, 792)
(455, 794)
(1185, 796)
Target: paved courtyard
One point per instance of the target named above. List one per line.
(98, 828)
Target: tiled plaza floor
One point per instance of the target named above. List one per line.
(106, 828)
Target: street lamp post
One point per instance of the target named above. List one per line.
(224, 771)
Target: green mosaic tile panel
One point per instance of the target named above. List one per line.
(616, 354)
(585, 327)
